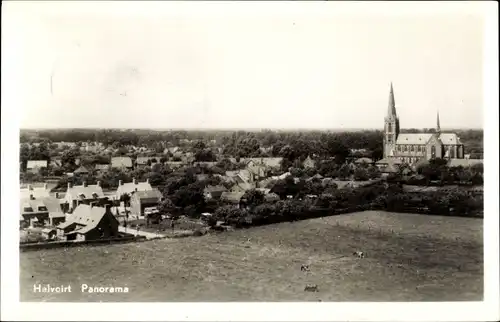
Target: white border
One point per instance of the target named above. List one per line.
(12, 94)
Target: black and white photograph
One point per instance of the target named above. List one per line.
(233, 161)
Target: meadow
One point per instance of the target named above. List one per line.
(408, 258)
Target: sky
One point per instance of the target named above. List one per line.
(245, 65)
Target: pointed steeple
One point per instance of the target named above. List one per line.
(391, 111)
(438, 126)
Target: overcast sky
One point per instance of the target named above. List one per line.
(253, 65)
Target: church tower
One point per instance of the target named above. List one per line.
(391, 128)
(438, 126)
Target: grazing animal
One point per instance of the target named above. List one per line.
(304, 268)
(311, 288)
(359, 254)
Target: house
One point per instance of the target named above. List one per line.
(34, 166)
(56, 162)
(269, 163)
(102, 167)
(37, 192)
(49, 233)
(83, 194)
(144, 161)
(130, 188)
(242, 187)
(232, 197)
(464, 162)
(144, 199)
(174, 164)
(121, 162)
(213, 192)
(81, 171)
(309, 163)
(44, 210)
(361, 161)
(381, 164)
(89, 222)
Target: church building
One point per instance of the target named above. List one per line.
(412, 147)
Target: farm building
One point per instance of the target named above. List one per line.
(144, 199)
(89, 222)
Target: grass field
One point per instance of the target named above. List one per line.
(409, 258)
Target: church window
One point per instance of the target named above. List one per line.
(411, 149)
(389, 127)
(433, 151)
(405, 148)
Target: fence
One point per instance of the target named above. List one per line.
(97, 242)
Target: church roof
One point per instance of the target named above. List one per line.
(450, 138)
(413, 138)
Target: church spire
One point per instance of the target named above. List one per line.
(391, 111)
(438, 126)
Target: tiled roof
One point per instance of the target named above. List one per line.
(81, 169)
(36, 164)
(144, 160)
(217, 188)
(232, 196)
(86, 215)
(363, 160)
(87, 191)
(121, 162)
(51, 203)
(37, 192)
(413, 138)
(148, 194)
(450, 138)
(102, 166)
(464, 162)
(130, 187)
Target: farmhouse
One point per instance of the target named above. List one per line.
(131, 187)
(144, 199)
(83, 194)
(89, 222)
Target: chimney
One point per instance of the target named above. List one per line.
(135, 189)
(69, 185)
(134, 181)
(98, 183)
(92, 204)
(108, 207)
(45, 186)
(85, 183)
(120, 182)
(32, 197)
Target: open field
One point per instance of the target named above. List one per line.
(409, 258)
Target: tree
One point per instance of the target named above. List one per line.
(253, 198)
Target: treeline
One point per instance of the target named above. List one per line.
(376, 197)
